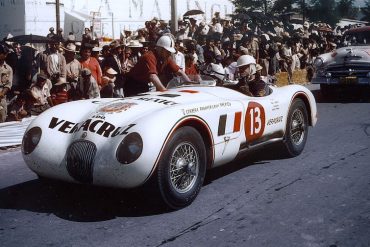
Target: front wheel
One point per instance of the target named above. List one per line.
(296, 128)
(182, 168)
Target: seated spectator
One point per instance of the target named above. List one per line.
(40, 92)
(108, 80)
(17, 109)
(88, 86)
(60, 94)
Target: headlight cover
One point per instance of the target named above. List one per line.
(130, 148)
(318, 62)
(31, 139)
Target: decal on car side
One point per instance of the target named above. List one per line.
(254, 124)
(229, 123)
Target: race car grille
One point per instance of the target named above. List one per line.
(80, 160)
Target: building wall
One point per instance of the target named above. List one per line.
(12, 17)
(36, 16)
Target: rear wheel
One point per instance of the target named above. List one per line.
(296, 128)
(182, 168)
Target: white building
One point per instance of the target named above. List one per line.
(109, 18)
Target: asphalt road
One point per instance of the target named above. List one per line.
(320, 198)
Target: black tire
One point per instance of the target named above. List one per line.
(296, 128)
(174, 163)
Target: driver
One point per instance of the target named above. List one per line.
(249, 83)
(151, 66)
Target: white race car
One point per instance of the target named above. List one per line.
(169, 137)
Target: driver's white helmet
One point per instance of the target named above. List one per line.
(167, 43)
(216, 70)
(245, 60)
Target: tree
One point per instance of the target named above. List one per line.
(366, 11)
(346, 9)
(283, 6)
(323, 11)
(264, 5)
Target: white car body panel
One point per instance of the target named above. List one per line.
(155, 116)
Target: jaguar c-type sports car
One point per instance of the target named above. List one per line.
(169, 137)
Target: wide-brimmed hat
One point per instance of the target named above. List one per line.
(41, 76)
(70, 47)
(111, 71)
(134, 43)
(61, 81)
(28, 45)
(96, 49)
(115, 44)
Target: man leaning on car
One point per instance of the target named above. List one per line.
(151, 66)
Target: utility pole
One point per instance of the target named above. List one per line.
(174, 24)
(57, 11)
(303, 11)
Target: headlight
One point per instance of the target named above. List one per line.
(130, 148)
(318, 62)
(31, 139)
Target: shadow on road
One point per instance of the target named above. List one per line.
(344, 96)
(84, 203)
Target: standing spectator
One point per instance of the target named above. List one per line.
(27, 67)
(178, 57)
(86, 37)
(152, 66)
(40, 92)
(73, 66)
(136, 47)
(6, 74)
(190, 67)
(71, 37)
(90, 63)
(51, 33)
(114, 61)
(88, 86)
(59, 35)
(56, 63)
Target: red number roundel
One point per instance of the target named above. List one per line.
(254, 124)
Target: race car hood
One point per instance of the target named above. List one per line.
(112, 117)
(347, 55)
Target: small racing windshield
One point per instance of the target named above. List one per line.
(195, 80)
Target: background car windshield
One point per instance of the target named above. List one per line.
(357, 38)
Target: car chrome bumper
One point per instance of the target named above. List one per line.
(343, 81)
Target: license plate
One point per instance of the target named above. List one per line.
(348, 80)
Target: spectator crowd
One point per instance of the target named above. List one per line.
(33, 80)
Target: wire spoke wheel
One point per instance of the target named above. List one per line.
(184, 167)
(297, 127)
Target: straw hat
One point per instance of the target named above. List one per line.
(70, 47)
(61, 81)
(135, 43)
(111, 71)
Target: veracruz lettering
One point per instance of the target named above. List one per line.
(97, 126)
(275, 120)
